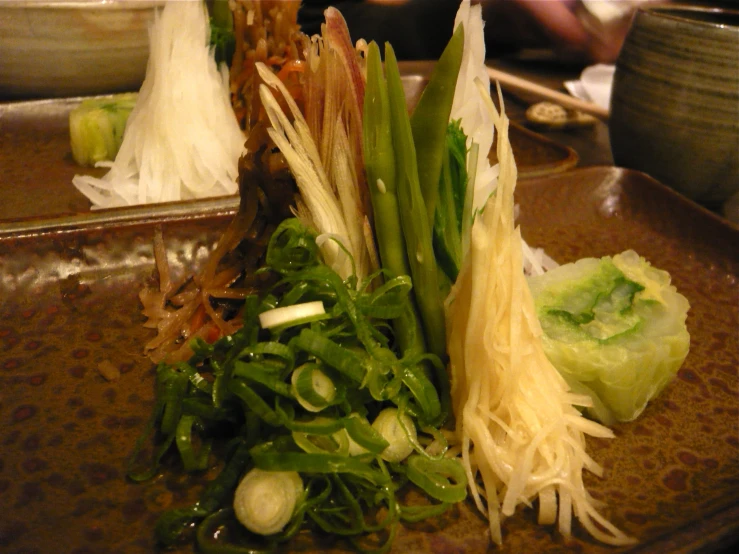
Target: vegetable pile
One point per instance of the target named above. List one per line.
(321, 399)
(365, 326)
(615, 329)
(96, 127)
(181, 139)
(518, 424)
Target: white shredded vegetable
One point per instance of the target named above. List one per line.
(520, 433)
(280, 316)
(296, 144)
(182, 139)
(467, 105)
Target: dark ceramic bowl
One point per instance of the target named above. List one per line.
(675, 100)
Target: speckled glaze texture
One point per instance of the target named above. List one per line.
(675, 100)
(68, 301)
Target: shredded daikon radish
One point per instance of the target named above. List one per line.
(467, 106)
(516, 420)
(536, 261)
(182, 139)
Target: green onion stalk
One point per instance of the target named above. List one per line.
(300, 399)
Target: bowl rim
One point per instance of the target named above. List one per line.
(112, 5)
(672, 11)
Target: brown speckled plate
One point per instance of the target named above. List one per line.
(36, 164)
(68, 301)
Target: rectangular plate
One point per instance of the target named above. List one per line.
(36, 164)
(68, 301)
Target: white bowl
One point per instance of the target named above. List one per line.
(55, 48)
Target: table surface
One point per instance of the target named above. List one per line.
(591, 143)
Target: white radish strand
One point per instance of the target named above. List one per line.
(182, 139)
(467, 106)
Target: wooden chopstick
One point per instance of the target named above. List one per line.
(518, 83)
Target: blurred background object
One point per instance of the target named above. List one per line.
(675, 100)
(577, 30)
(55, 48)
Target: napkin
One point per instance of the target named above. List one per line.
(594, 85)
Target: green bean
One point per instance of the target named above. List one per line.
(379, 162)
(430, 120)
(415, 224)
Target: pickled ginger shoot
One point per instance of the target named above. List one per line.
(521, 434)
(614, 328)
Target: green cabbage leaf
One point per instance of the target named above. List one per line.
(615, 329)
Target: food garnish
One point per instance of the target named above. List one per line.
(299, 397)
(182, 139)
(520, 431)
(614, 328)
(300, 359)
(96, 127)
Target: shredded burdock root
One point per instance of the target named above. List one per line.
(207, 305)
(517, 423)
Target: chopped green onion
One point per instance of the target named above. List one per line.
(264, 501)
(312, 387)
(191, 460)
(399, 431)
(262, 387)
(297, 313)
(363, 437)
(335, 443)
(443, 479)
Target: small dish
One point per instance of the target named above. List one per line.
(56, 48)
(41, 127)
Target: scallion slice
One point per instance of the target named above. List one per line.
(265, 500)
(399, 431)
(297, 313)
(312, 388)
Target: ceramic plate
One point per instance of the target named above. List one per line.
(36, 158)
(68, 301)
